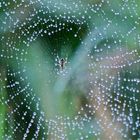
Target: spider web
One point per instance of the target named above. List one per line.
(97, 98)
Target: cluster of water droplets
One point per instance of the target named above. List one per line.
(109, 54)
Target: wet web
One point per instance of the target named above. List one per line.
(100, 40)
